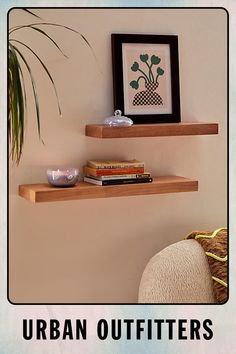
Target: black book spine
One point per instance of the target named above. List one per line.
(126, 181)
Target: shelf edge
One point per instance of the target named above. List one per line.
(161, 185)
(151, 130)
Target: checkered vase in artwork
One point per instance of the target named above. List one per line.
(148, 96)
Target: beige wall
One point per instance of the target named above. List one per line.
(96, 250)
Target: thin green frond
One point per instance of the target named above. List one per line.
(24, 90)
(44, 67)
(17, 95)
(31, 13)
(13, 29)
(43, 33)
(16, 107)
(34, 90)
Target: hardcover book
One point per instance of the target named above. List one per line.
(106, 164)
(89, 171)
(122, 176)
(117, 181)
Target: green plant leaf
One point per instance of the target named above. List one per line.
(31, 13)
(16, 107)
(160, 71)
(135, 66)
(144, 57)
(13, 29)
(17, 97)
(44, 34)
(45, 68)
(34, 90)
(134, 84)
(23, 86)
(155, 60)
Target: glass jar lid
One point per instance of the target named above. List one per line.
(118, 120)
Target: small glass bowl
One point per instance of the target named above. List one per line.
(63, 177)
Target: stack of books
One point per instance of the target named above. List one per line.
(110, 172)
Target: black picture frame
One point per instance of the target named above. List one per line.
(124, 46)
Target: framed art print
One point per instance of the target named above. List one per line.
(146, 77)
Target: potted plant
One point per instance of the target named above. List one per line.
(17, 93)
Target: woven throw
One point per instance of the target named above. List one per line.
(215, 247)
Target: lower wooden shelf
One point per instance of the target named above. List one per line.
(164, 184)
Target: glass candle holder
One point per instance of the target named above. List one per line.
(63, 176)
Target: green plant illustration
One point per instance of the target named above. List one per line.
(17, 93)
(151, 76)
(147, 97)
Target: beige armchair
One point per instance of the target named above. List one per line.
(178, 274)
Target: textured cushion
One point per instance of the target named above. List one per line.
(178, 274)
(215, 245)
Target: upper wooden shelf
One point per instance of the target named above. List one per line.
(163, 184)
(151, 130)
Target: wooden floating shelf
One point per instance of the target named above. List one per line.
(151, 130)
(163, 184)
